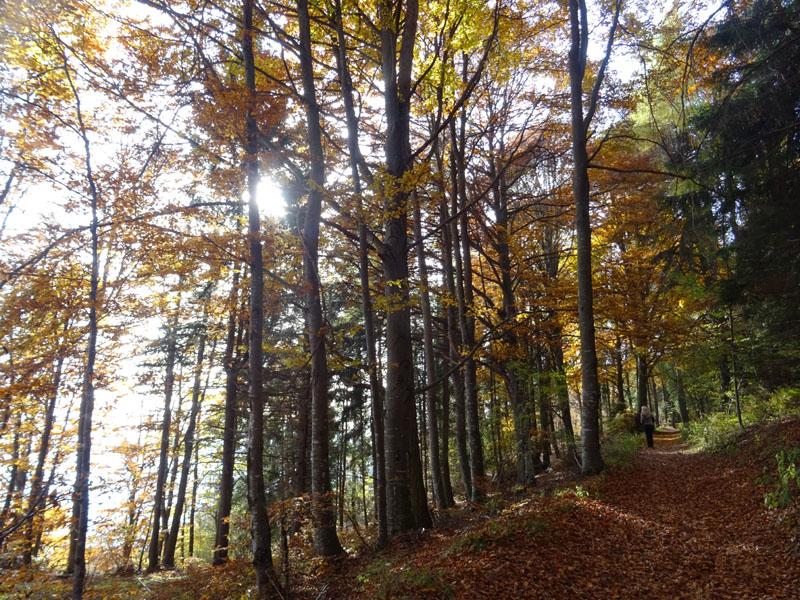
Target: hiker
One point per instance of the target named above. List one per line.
(648, 420)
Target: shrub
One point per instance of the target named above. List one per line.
(713, 432)
(788, 479)
(622, 423)
(620, 450)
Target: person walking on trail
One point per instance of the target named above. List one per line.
(649, 421)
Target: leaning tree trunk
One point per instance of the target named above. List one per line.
(37, 499)
(188, 445)
(326, 542)
(161, 478)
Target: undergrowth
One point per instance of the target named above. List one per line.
(382, 580)
(721, 430)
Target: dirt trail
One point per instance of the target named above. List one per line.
(715, 538)
(674, 525)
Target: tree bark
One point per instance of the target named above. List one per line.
(437, 482)
(641, 379)
(229, 430)
(375, 385)
(166, 423)
(80, 510)
(188, 446)
(400, 412)
(37, 499)
(681, 396)
(591, 458)
(261, 534)
(326, 542)
(451, 260)
(465, 316)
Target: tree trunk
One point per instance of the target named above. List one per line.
(394, 256)
(166, 423)
(519, 399)
(188, 446)
(375, 385)
(559, 383)
(681, 396)
(266, 581)
(449, 240)
(302, 483)
(592, 460)
(80, 509)
(464, 295)
(37, 500)
(437, 483)
(641, 380)
(445, 451)
(326, 542)
(619, 374)
(195, 486)
(231, 366)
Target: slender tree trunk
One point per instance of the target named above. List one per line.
(466, 318)
(188, 447)
(733, 367)
(559, 383)
(519, 398)
(375, 386)
(653, 389)
(641, 380)
(445, 451)
(592, 461)
(173, 472)
(229, 430)
(454, 336)
(619, 376)
(544, 428)
(430, 367)
(37, 500)
(326, 542)
(12, 476)
(591, 458)
(302, 484)
(166, 423)
(195, 486)
(81, 494)
(266, 581)
(681, 396)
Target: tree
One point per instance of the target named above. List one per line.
(592, 461)
(326, 541)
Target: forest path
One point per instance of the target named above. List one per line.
(674, 524)
(712, 536)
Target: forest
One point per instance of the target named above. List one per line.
(287, 284)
